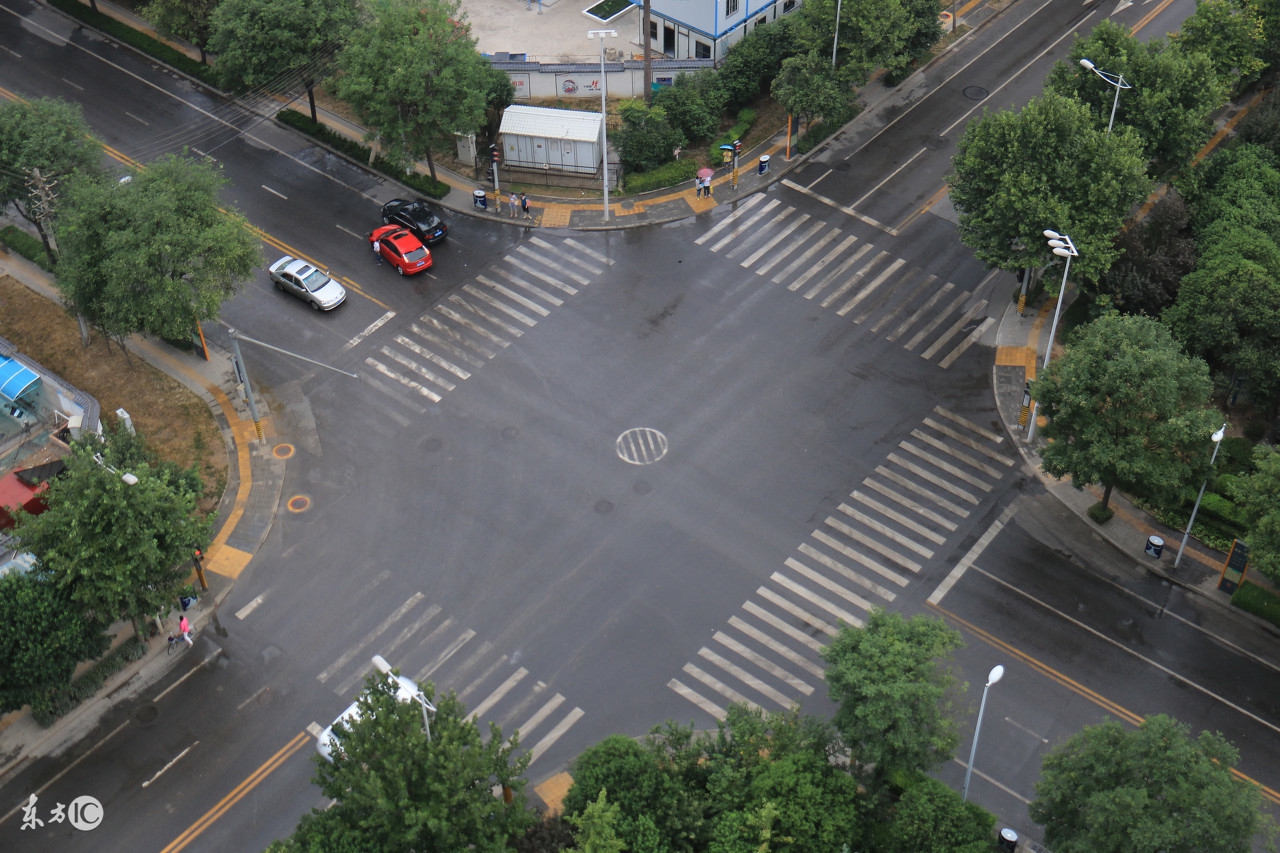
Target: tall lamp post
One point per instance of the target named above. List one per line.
(835, 42)
(1217, 442)
(380, 663)
(997, 673)
(1062, 247)
(1116, 80)
(604, 118)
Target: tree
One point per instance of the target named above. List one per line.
(185, 19)
(44, 635)
(276, 44)
(1155, 789)
(752, 63)
(807, 87)
(596, 833)
(892, 682)
(1231, 35)
(1259, 493)
(46, 135)
(413, 75)
(156, 254)
(931, 816)
(396, 790)
(1126, 408)
(693, 104)
(1156, 253)
(1047, 166)
(647, 139)
(873, 33)
(116, 549)
(1173, 96)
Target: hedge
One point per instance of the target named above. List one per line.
(667, 175)
(139, 40)
(47, 709)
(360, 153)
(24, 244)
(1259, 601)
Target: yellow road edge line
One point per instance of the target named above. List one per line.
(238, 793)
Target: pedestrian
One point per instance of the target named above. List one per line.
(185, 628)
(513, 201)
(706, 186)
(377, 251)
(697, 185)
(524, 206)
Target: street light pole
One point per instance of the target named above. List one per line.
(1062, 247)
(835, 42)
(1217, 442)
(997, 673)
(1116, 80)
(604, 118)
(380, 663)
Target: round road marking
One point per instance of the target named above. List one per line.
(641, 446)
(282, 451)
(299, 503)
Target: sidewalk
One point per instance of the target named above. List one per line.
(254, 483)
(1020, 348)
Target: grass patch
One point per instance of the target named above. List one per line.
(606, 10)
(24, 244)
(1259, 601)
(175, 422)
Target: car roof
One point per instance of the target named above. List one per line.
(406, 690)
(289, 264)
(403, 238)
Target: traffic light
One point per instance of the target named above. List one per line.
(493, 149)
(737, 147)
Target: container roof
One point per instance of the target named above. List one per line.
(551, 123)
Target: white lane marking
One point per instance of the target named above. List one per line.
(263, 689)
(64, 771)
(967, 560)
(907, 502)
(843, 208)
(64, 79)
(889, 177)
(276, 193)
(244, 612)
(140, 121)
(693, 696)
(208, 659)
(555, 734)
(730, 219)
(984, 777)
(911, 485)
(774, 646)
(496, 696)
(162, 770)
(542, 713)
(968, 424)
(369, 637)
(797, 611)
(352, 233)
(790, 630)
(368, 330)
(919, 312)
(764, 663)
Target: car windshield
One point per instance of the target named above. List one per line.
(313, 280)
(423, 215)
(416, 254)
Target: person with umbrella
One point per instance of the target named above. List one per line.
(704, 181)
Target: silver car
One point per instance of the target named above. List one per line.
(309, 284)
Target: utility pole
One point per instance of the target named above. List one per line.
(648, 58)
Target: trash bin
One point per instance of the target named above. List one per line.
(1008, 840)
(480, 200)
(186, 601)
(764, 164)
(1155, 546)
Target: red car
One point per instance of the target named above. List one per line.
(405, 251)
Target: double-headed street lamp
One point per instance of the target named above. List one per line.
(997, 673)
(1217, 442)
(1062, 247)
(1116, 80)
(380, 663)
(604, 118)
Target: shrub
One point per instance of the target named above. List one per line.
(746, 118)
(1235, 456)
(666, 175)
(1099, 513)
(143, 42)
(24, 244)
(814, 135)
(47, 709)
(694, 104)
(647, 139)
(1259, 601)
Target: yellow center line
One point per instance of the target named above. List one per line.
(237, 794)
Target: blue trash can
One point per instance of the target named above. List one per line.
(764, 164)
(1155, 546)
(480, 199)
(186, 601)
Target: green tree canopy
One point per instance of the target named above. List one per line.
(413, 75)
(1260, 494)
(931, 816)
(893, 683)
(596, 832)
(1156, 253)
(693, 104)
(1155, 789)
(186, 19)
(1231, 34)
(873, 33)
(155, 254)
(807, 87)
(277, 44)
(1126, 408)
(1046, 167)
(116, 549)
(1173, 96)
(647, 139)
(396, 790)
(51, 136)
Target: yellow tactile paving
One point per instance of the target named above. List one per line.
(553, 792)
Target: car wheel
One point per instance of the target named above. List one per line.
(400, 270)
(279, 287)
(315, 306)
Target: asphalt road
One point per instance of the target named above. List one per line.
(808, 373)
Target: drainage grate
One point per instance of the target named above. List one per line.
(641, 446)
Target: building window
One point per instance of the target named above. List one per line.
(759, 21)
(653, 26)
(701, 51)
(788, 5)
(730, 8)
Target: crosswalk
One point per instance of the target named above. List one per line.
(425, 644)
(838, 271)
(865, 553)
(466, 329)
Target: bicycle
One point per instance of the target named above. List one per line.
(176, 640)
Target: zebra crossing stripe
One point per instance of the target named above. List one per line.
(546, 279)
(969, 425)
(453, 315)
(886, 295)
(938, 320)
(493, 320)
(475, 659)
(745, 677)
(957, 454)
(413, 346)
(513, 296)
(870, 288)
(882, 529)
(529, 255)
(856, 555)
(496, 696)
(945, 466)
(414, 628)
(774, 622)
(529, 288)
(922, 288)
(929, 476)
(826, 582)
(777, 222)
(893, 336)
(852, 280)
(698, 699)
(844, 571)
(717, 685)
(777, 238)
(567, 257)
(747, 227)
(888, 512)
(774, 646)
(418, 369)
(795, 610)
(372, 635)
(451, 337)
(764, 663)
(586, 250)
(541, 714)
(555, 734)
(764, 268)
(449, 651)
(403, 380)
(969, 341)
(839, 271)
(730, 219)
(402, 400)
(917, 508)
(955, 327)
(840, 248)
(917, 488)
(804, 258)
(967, 441)
(368, 330)
(494, 302)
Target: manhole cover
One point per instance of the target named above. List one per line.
(299, 503)
(604, 507)
(641, 446)
(282, 451)
(975, 93)
(146, 715)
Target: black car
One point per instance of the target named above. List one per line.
(418, 216)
